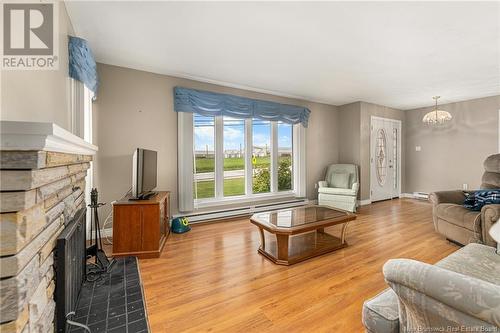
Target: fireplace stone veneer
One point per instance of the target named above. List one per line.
(42, 185)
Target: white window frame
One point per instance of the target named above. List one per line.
(186, 164)
(81, 99)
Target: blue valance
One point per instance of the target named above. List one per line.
(82, 66)
(214, 104)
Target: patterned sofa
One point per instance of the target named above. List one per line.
(461, 293)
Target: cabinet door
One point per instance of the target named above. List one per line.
(127, 229)
(150, 231)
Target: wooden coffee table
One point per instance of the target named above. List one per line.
(300, 232)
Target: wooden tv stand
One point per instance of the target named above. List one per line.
(141, 227)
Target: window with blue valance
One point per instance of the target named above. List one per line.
(82, 66)
(214, 104)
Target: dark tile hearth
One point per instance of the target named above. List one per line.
(114, 303)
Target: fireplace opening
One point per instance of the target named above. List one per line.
(70, 267)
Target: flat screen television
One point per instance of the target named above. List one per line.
(144, 173)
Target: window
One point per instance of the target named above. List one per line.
(261, 156)
(238, 158)
(285, 153)
(234, 157)
(204, 157)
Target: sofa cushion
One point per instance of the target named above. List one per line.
(458, 215)
(474, 260)
(380, 314)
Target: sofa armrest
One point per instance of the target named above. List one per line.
(456, 197)
(427, 288)
(489, 215)
(355, 187)
(322, 183)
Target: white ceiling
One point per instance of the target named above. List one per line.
(397, 54)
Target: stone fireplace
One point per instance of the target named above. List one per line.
(42, 186)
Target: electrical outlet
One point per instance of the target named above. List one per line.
(316, 186)
(465, 187)
(418, 148)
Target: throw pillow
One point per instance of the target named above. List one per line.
(340, 180)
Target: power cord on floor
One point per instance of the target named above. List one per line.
(109, 219)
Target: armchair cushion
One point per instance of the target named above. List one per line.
(459, 216)
(338, 191)
(339, 180)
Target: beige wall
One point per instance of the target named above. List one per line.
(453, 155)
(349, 133)
(40, 95)
(135, 109)
(354, 138)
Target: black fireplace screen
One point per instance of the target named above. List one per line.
(70, 267)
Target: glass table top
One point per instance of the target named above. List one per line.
(300, 216)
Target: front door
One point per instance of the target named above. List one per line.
(384, 158)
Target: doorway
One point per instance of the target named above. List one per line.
(385, 158)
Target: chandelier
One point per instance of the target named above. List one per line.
(436, 117)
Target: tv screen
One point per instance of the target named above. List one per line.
(144, 171)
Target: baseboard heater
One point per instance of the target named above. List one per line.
(421, 195)
(242, 211)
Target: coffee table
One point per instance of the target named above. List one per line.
(300, 232)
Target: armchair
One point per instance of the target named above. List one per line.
(340, 187)
(461, 225)
(460, 293)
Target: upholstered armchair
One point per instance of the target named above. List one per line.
(460, 293)
(340, 187)
(461, 225)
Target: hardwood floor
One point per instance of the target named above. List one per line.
(213, 279)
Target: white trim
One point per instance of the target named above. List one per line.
(244, 210)
(499, 132)
(77, 111)
(299, 160)
(248, 156)
(363, 202)
(274, 157)
(185, 153)
(400, 136)
(219, 157)
(27, 135)
(211, 202)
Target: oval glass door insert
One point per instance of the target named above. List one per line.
(381, 157)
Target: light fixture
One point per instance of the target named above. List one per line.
(436, 117)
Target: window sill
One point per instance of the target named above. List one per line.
(241, 200)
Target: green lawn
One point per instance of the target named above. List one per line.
(207, 164)
(233, 186)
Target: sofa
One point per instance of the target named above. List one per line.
(459, 224)
(461, 293)
(340, 187)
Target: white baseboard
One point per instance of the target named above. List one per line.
(364, 202)
(415, 195)
(242, 211)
